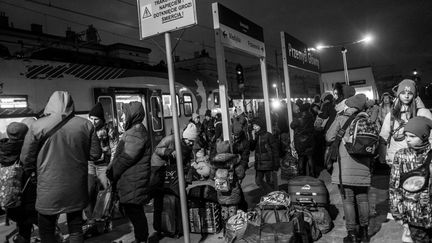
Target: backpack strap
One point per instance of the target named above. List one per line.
(339, 137)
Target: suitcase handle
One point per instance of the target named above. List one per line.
(306, 201)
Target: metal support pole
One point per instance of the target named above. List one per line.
(223, 91)
(287, 86)
(180, 172)
(344, 51)
(277, 93)
(266, 93)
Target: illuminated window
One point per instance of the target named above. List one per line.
(187, 105)
(167, 106)
(13, 101)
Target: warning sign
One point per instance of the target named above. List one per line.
(146, 11)
(159, 16)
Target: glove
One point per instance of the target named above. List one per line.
(240, 172)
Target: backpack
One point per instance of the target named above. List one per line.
(11, 185)
(363, 138)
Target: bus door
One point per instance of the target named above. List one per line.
(155, 116)
(112, 100)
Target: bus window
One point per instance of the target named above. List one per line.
(187, 105)
(167, 106)
(108, 107)
(156, 113)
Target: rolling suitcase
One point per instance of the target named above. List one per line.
(306, 190)
(167, 215)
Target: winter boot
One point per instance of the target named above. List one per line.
(364, 235)
(351, 237)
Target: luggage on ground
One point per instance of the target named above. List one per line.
(308, 190)
(276, 226)
(167, 215)
(204, 211)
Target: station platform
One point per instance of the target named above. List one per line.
(382, 230)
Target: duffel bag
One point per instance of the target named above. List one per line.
(276, 226)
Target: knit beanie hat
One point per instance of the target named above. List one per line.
(419, 126)
(348, 91)
(407, 85)
(357, 101)
(97, 111)
(16, 130)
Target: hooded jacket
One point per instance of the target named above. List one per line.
(61, 162)
(131, 164)
(355, 171)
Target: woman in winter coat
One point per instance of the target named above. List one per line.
(355, 179)
(407, 105)
(25, 215)
(130, 169)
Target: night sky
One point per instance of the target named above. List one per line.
(402, 29)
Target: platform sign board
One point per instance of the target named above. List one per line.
(160, 16)
(239, 32)
(298, 55)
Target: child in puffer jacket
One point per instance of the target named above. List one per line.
(410, 197)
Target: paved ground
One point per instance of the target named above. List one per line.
(382, 231)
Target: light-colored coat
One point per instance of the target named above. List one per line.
(356, 171)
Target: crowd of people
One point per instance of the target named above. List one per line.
(69, 159)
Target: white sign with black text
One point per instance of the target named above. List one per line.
(235, 39)
(160, 16)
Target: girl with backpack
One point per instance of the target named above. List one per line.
(410, 196)
(355, 179)
(392, 137)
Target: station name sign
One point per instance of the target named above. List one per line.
(159, 16)
(237, 31)
(298, 55)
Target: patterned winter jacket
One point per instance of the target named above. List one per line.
(412, 208)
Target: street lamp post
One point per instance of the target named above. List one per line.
(366, 39)
(344, 59)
